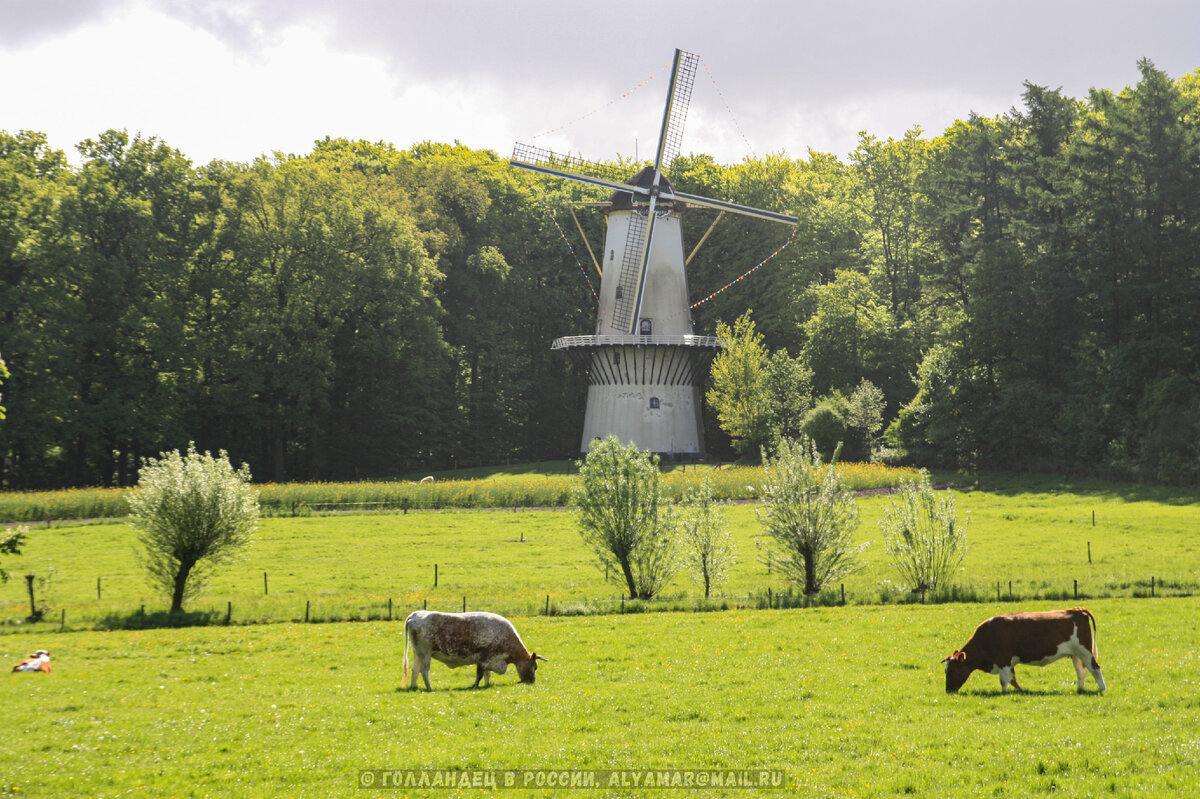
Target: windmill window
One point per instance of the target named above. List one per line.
(647, 327)
(617, 358)
(620, 292)
(654, 403)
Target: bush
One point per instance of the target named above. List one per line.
(810, 515)
(922, 535)
(704, 536)
(618, 503)
(192, 512)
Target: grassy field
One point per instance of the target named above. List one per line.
(347, 566)
(497, 487)
(846, 701)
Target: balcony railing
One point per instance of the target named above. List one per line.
(571, 342)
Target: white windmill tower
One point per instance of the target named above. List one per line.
(645, 366)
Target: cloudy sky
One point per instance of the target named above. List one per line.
(234, 79)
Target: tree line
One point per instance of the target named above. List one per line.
(1019, 292)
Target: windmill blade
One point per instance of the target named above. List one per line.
(724, 205)
(631, 280)
(634, 268)
(537, 159)
(683, 77)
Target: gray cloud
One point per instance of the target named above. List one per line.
(795, 75)
(23, 23)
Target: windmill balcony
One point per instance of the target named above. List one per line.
(570, 342)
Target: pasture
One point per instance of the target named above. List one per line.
(349, 566)
(847, 701)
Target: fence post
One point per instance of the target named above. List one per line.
(1093, 518)
(228, 612)
(1089, 552)
(98, 588)
(1151, 586)
(62, 620)
(464, 604)
(307, 603)
(843, 593)
(389, 608)
(770, 599)
(1010, 590)
(997, 590)
(265, 591)
(425, 604)
(1076, 589)
(547, 604)
(435, 575)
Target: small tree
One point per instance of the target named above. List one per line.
(192, 512)
(922, 534)
(10, 544)
(618, 503)
(810, 515)
(704, 535)
(739, 385)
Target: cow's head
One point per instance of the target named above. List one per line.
(527, 669)
(957, 671)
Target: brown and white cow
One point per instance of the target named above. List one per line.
(1001, 642)
(457, 639)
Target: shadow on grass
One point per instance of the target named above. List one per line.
(1010, 484)
(458, 688)
(139, 620)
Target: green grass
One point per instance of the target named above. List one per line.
(497, 487)
(848, 701)
(348, 567)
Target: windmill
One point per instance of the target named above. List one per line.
(645, 366)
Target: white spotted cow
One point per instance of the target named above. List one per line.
(1035, 639)
(485, 639)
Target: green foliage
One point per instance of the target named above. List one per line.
(825, 425)
(618, 505)
(706, 547)
(922, 535)
(366, 310)
(739, 392)
(810, 516)
(10, 544)
(192, 512)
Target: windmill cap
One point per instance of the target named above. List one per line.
(623, 201)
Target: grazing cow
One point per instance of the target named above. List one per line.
(1001, 642)
(456, 639)
(39, 661)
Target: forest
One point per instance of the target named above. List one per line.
(1022, 290)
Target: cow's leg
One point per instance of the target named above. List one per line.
(1006, 677)
(1013, 671)
(1080, 672)
(481, 673)
(425, 674)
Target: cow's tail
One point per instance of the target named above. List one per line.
(404, 672)
(1095, 645)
